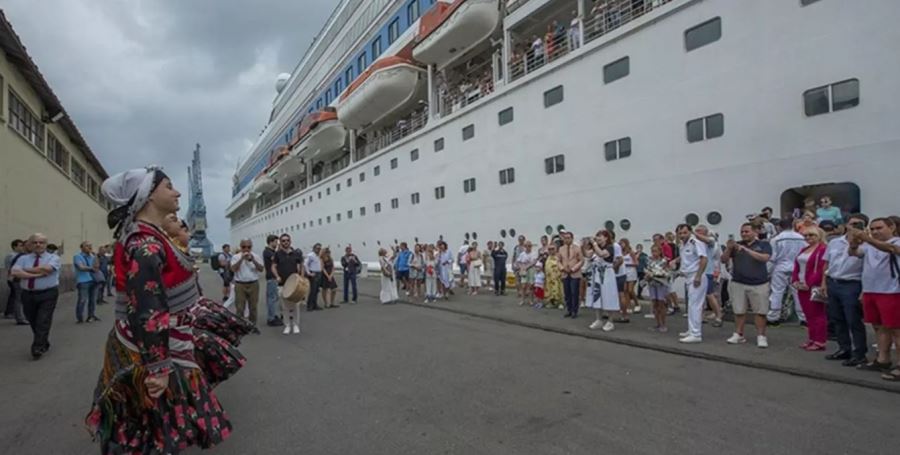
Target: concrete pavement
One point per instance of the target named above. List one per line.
(400, 379)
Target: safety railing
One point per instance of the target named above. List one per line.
(609, 15)
(462, 95)
(404, 127)
(543, 50)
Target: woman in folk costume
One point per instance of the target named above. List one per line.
(152, 396)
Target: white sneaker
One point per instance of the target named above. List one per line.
(684, 334)
(609, 326)
(736, 339)
(596, 325)
(638, 309)
(762, 342)
(649, 316)
(690, 339)
(287, 329)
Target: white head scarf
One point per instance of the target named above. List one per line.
(129, 192)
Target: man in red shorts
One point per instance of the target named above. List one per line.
(880, 250)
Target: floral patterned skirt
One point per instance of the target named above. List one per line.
(127, 421)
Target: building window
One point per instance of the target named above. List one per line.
(57, 154)
(553, 96)
(378, 207)
(412, 12)
(79, 175)
(395, 203)
(349, 182)
(709, 127)
(414, 154)
(349, 214)
(620, 148)
(376, 47)
(439, 192)
(438, 144)
(362, 211)
(703, 34)
(23, 121)
(616, 70)
(393, 31)
(394, 163)
(362, 176)
(415, 198)
(468, 132)
(361, 63)
(831, 98)
(555, 164)
(377, 171)
(507, 176)
(469, 185)
(505, 116)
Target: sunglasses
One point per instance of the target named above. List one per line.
(810, 235)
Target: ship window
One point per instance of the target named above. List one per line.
(361, 63)
(468, 132)
(349, 182)
(807, 2)
(349, 214)
(439, 192)
(362, 211)
(709, 127)
(414, 198)
(703, 34)
(692, 219)
(620, 148)
(348, 76)
(337, 217)
(376, 47)
(414, 154)
(555, 164)
(439, 144)
(505, 116)
(625, 224)
(503, 233)
(338, 86)
(337, 187)
(394, 163)
(378, 207)
(553, 96)
(327, 191)
(507, 176)
(395, 203)
(319, 104)
(377, 171)
(830, 98)
(714, 218)
(609, 225)
(320, 221)
(362, 176)
(328, 96)
(304, 225)
(320, 195)
(412, 12)
(616, 70)
(328, 219)
(469, 185)
(393, 31)
(303, 201)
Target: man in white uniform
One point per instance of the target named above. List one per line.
(693, 261)
(785, 248)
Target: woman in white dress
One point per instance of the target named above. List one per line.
(474, 265)
(629, 261)
(603, 295)
(388, 285)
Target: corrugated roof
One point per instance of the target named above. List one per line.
(18, 56)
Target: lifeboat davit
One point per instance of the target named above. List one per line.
(388, 89)
(319, 135)
(449, 30)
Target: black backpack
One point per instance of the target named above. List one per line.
(214, 262)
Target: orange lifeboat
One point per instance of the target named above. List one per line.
(391, 86)
(449, 30)
(319, 135)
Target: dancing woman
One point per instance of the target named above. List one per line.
(152, 396)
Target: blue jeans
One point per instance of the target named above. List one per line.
(572, 288)
(845, 312)
(349, 280)
(86, 295)
(272, 300)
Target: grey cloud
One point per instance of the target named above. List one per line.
(144, 81)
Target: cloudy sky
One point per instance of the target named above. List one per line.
(146, 80)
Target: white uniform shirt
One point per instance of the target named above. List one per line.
(246, 273)
(876, 272)
(842, 266)
(691, 252)
(786, 246)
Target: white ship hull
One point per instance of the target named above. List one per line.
(755, 75)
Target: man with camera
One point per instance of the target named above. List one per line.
(246, 266)
(749, 283)
(843, 288)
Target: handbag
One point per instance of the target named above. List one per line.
(817, 295)
(98, 276)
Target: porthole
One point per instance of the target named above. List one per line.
(609, 225)
(467, 236)
(512, 232)
(625, 224)
(396, 242)
(714, 218)
(548, 229)
(364, 243)
(378, 242)
(474, 236)
(416, 239)
(503, 233)
(560, 228)
(692, 219)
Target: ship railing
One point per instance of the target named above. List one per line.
(386, 136)
(609, 15)
(531, 56)
(512, 5)
(462, 95)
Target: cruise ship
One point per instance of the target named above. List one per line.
(414, 120)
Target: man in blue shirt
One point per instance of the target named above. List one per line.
(401, 265)
(39, 275)
(85, 265)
